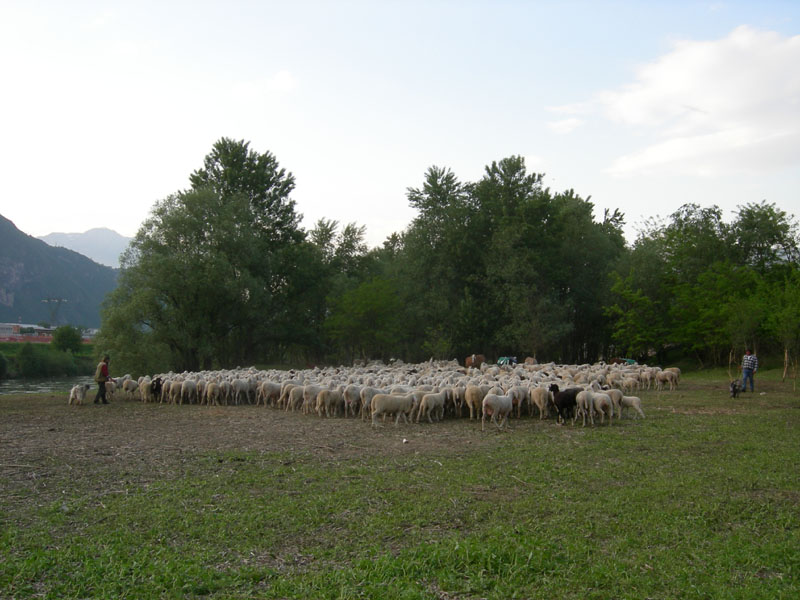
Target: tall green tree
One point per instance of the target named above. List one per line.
(209, 277)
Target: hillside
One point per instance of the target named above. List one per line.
(31, 272)
(102, 245)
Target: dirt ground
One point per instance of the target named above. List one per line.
(44, 442)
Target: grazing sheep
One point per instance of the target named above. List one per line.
(387, 404)
(668, 377)
(632, 402)
(496, 406)
(78, 394)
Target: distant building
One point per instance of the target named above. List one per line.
(26, 332)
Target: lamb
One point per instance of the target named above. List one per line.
(632, 402)
(78, 394)
(496, 406)
(386, 404)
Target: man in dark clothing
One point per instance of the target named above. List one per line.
(101, 376)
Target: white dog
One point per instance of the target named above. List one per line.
(78, 393)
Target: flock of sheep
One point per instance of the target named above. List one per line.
(410, 392)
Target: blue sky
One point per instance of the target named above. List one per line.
(644, 106)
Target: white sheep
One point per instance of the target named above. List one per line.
(329, 402)
(584, 404)
(433, 404)
(352, 399)
(540, 397)
(603, 405)
(496, 406)
(473, 397)
(189, 392)
(388, 404)
(632, 402)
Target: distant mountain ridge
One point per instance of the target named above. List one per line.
(102, 245)
(42, 283)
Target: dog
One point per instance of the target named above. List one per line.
(77, 394)
(735, 389)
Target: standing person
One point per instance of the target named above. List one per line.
(749, 367)
(101, 376)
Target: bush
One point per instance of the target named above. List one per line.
(34, 361)
(67, 338)
(3, 366)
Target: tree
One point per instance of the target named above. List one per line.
(67, 339)
(764, 237)
(783, 319)
(209, 276)
(366, 320)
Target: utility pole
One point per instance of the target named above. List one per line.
(55, 305)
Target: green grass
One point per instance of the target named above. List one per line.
(699, 500)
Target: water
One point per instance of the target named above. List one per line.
(59, 385)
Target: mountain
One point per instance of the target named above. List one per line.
(40, 283)
(101, 245)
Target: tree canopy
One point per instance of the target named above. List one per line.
(222, 274)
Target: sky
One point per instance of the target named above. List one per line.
(108, 107)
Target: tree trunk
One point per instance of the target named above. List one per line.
(730, 362)
(785, 363)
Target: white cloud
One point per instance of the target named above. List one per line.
(712, 107)
(283, 81)
(565, 126)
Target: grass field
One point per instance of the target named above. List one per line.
(699, 500)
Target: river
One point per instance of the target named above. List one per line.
(59, 385)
